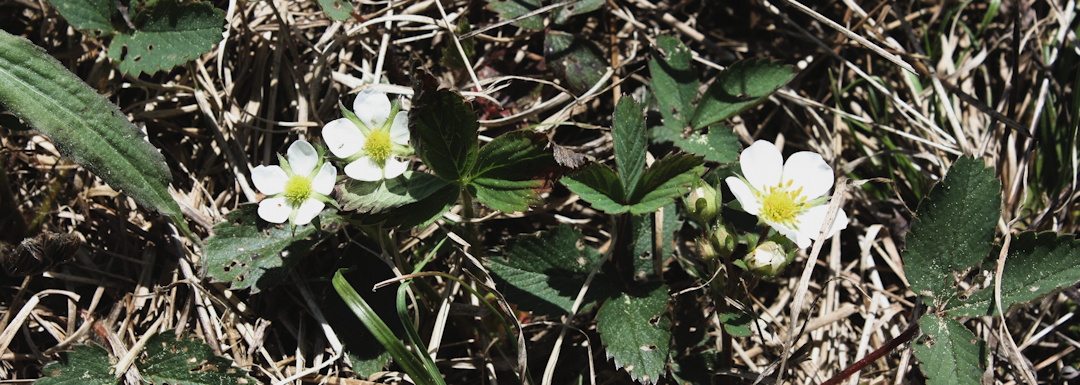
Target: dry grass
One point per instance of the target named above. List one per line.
(285, 66)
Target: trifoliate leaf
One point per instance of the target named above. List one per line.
(953, 229)
(513, 169)
(172, 34)
(250, 253)
(949, 353)
(667, 179)
(629, 142)
(1037, 264)
(375, 197)
(600, 186)
(544, 273)
(637, 333)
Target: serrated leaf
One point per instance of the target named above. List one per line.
(630, 144)
(171, 360)
(250, 253)
(513, 169)
(544, 273)
(953, 229)
(173, 34)
(84, 365)
(950, 354)
(443, 130)
(667, 179)
(720, 144)
(674, 83)
(1037, 265)
(637, 333)
(82, 124)
(563, 14)
(88, 16)
(576, 60)
(337, 9)
(511, 9)
(600, 186)
(743, 85)
(375, 197)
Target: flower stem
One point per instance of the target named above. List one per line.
(874, 355)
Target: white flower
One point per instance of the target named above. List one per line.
(295, 191)
(373, 141)
(789, 197)
(767, 259)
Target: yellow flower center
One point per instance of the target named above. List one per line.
(298, 189)
(378, 146)
(780, 204)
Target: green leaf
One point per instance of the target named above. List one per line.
(563, 14)
(949, 353)
(425, 211)
(84, 365)
(644, 239)
(743, 85)
(82, 124)
(1037, 265)
(337, 9)
(544, 273)
(953, 229)
(90, 16)
(173, 34)
(511, 9)
(674, 82)
(669, 178)
(600, 186)
(628, 135)
(450, 56)
(637, 333)
(171, 360)
(575, 60)
(513, 169)
(720, 144)
(443, 129)
(737, 324)
(250, 253)
(375, 197)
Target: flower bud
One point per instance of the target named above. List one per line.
(703, 203)
(767, 259)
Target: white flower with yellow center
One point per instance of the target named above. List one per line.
(298, 189)
(789, 197)
(374, 140)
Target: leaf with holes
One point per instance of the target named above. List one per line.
(953, 229)
(90, 16)
(84, 365)
(168, 359)
(1037, 265)
(950, 353)
(337, 9)
(250, 253)
(544, 273)
(674, 83)
(168, 34)
(575, 60)
(743, 85)
(637, 333)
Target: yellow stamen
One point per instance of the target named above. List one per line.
(378, 145)
(298, 189)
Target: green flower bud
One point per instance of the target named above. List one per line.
(767, 259)
(703, 203)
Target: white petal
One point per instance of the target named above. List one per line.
(399, 131)
(395, 167)
(274, 210)
(813, 218)
(364, 169)
(744, 195)
(308, 211)
(762, 164)
(810, 172)
(343, 137)
(372, 107)
(302, 158)
(323, 183)
(799, 236)
(269, 180)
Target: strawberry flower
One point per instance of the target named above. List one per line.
(298, 189)
(373, 138)
(790, 197)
